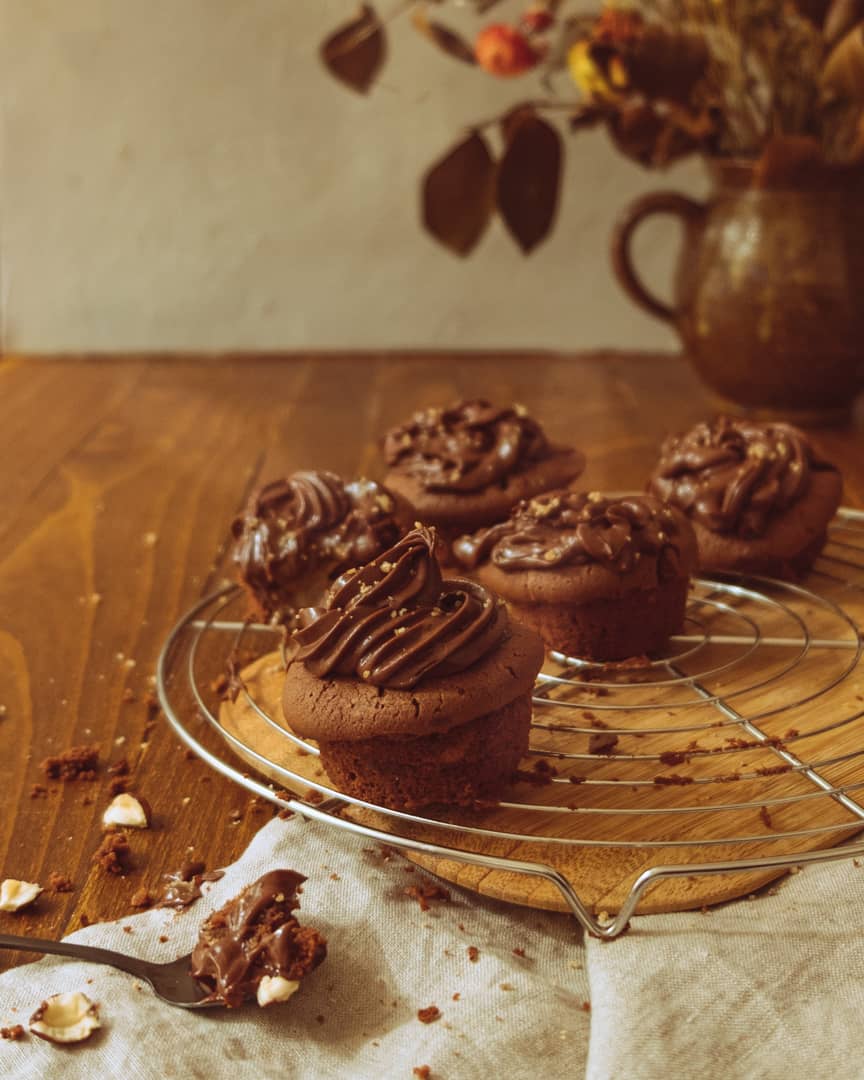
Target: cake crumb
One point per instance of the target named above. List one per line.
(16, 1031)
(473, 954)
(114, 854)
(38, 791)
(60, 883)
(586, 1006)
(118, 786)
(456, 996)
(76, 763)
(128, 695)
(141, 898)
(422, 1072)
(507, 986)
(604, 742)
(519, 952)
(429, 1015)
(163, 938)
(426, 891)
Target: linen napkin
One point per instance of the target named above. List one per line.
(761, 989)
(355, 1016)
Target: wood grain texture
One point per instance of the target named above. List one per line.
(119, 480)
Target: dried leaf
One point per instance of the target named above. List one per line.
(354, 53)
(664, 64)
(447, 40)
(529, 178)
(816, 11)
(656, 139)
(843, 16)
(587, 115)
(459, 195)
(843, 74)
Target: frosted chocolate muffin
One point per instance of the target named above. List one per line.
(299, 533)
(598, 577)
(254, 948)
(416, 688)
(468, 465)
(759, 496)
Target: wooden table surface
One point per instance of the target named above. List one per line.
(120, 477)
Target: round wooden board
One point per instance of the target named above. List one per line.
(603, 875)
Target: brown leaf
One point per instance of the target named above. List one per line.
(843, 74)
(656, 139)
(447, 40)
(843, 16)
(458, 195)
(529, 179)
(355, 52)
(658, 62)
(587, 115)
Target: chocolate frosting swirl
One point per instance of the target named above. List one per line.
(254, 935)
(395, 621)
(466, 447)
(734, 476)
(564, 528)
(310, 517)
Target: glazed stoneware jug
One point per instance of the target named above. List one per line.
(769, 291)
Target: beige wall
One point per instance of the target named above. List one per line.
(182, 175)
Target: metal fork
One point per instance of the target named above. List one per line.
(170, 982)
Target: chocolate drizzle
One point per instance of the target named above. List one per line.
(734, 476)
(395, 621)
(254, 935)
(467, 447)
(562, 528)
(308, 519)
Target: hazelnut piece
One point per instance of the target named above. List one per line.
(273, 988)
(15, 895)
(65, 1018)
(128, 812)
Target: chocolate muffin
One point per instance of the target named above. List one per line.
(759, 496)
(254, 947)
(416, 688)
(601, 578)
(298, 534)
(469, 464)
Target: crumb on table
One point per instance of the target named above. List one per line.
(114, 854)
(76, 763)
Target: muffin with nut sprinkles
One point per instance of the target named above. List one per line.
(599, 577)
(469, 464)
(417, 688)
(298, 533)
(759, 495)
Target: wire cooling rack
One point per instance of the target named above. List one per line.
(746, 735)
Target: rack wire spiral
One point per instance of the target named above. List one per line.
(755, 713)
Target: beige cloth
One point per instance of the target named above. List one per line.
(769, 988)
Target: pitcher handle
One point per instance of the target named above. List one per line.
(660, 202)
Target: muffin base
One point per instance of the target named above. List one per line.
(611, 629)
(470, 762)
(715, 556)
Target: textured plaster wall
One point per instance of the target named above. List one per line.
(182, 175)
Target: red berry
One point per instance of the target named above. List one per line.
(536, 19)
(504, 51)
